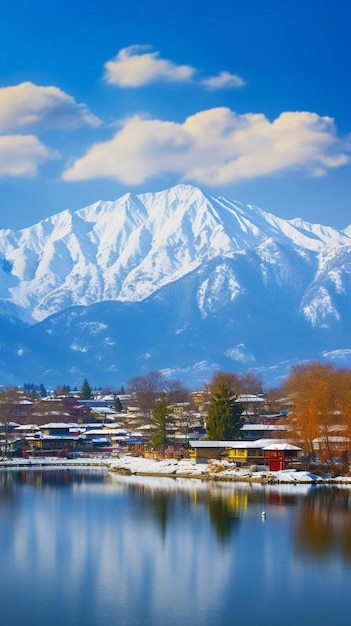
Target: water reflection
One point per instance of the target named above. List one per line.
(94, 549)
(7, 491)
(223, 519)
(64, 477)
(224, 509)
(324, 524)
(321, 525)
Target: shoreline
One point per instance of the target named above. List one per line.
(215, 471)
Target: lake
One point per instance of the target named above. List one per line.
(84, 548)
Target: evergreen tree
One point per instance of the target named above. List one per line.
(224, 416)
(117, 404)
(85, 390)
(160, 421)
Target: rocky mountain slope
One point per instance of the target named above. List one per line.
(176, 280)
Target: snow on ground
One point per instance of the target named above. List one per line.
(218, 470)
(133, 465)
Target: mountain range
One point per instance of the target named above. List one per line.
(179, 281)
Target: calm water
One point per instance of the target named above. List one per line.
(87, 549)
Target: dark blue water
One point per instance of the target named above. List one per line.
(90, 550)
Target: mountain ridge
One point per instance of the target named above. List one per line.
(232, 272)
(127, 249)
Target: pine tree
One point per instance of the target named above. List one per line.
(160, 421)
(224, 416)
(117, 404)
(85, 390)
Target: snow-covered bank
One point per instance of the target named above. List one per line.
(215, 470)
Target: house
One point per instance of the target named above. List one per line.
(19, 448)
(242, 452)
(280, 456)
(61, 437)
(80, 413)
(252, 404)
(203, 450)
(25, 429)
(247, 452)
(251, 432)
(55, 437)
(60, 429)
(332, 445)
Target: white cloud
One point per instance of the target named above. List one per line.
(134, 67)
(21, 155)
(240, 353)
(28, 105)
(224, 80)
(214, 147)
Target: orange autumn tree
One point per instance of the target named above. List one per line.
(321, 402)
(344, 381)
(302, 419)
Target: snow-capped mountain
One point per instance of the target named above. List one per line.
(236, 283)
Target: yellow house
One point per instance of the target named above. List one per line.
(240, 452)
(202, 450)
(246, 454)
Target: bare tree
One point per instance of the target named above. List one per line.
(248, 383)
(227, 379)
(176, 392)
(9, 399)
(146, 389)
(251, 383)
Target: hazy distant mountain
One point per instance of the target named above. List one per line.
(176, 280)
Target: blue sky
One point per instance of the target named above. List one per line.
(247, 100)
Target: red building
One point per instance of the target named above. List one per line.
(280, 456)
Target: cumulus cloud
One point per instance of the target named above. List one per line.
(134, 67)
(214, 147)
(29, 105)
(21, 155)
(224, 80)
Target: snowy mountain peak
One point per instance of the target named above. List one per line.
(126, 250)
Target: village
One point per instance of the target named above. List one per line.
(110, 426)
